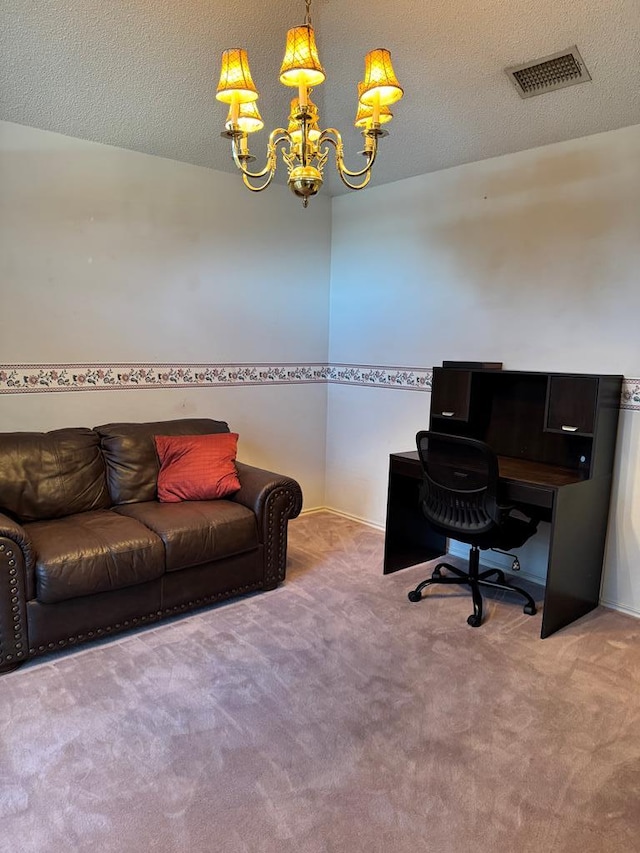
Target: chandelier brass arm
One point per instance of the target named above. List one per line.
(332, 136)
(303, 140)
(241, 156)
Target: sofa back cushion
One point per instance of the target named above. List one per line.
(51, 474)
(130, 454)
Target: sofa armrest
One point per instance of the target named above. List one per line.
(16, 565)
(274, 499)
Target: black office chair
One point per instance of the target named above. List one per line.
(459, 499)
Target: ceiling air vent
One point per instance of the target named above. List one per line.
(551, 72)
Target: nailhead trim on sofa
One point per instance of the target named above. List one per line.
(142, 620)
(288, 504)
(13, 619)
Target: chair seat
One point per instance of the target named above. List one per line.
(512, 533)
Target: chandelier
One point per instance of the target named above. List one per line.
(305, 148)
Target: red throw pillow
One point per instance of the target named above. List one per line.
(196, 467)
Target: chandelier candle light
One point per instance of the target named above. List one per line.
(304, 146)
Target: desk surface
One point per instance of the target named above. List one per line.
(521, 471)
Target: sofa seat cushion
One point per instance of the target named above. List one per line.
(92, 552)
(197, 532)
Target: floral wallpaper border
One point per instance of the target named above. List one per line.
(630, 398)
(31, 378)
(406, 378)
(34, 378)
(38, 378)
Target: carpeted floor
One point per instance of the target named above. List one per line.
(330, 716)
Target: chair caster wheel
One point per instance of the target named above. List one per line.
(414, 595)
(474, 620)
(530, 610)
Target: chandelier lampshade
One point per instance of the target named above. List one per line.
(235, 78)
(304, 146)
(364, 115)
(301, 63)
(248, 119)
(380, 81)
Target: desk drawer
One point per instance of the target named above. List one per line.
(527, 493)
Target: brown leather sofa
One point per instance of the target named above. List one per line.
(86, 549)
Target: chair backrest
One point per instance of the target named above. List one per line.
(458, 493)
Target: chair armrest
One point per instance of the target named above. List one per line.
(274, 499)
(16, 567)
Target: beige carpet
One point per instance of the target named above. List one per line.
(330, 716)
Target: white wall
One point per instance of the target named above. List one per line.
(531, 259)
(111, 256)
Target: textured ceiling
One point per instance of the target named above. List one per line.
(141, 74)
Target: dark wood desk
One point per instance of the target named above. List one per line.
(572, 497)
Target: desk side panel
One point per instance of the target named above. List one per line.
(576, 552)
(408, 538)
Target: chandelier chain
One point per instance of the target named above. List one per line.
(307, 17)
